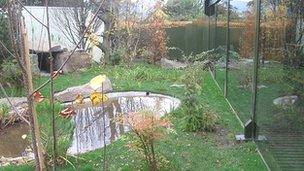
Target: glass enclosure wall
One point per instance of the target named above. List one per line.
(188, 38)
(279, 88)
(280, 73)
(280, 108)
(240, 61)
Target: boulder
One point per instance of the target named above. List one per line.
(77, 61)
(170, 64)
(85, 90)
(285, 100)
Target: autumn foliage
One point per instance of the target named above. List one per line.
(147, 127)
(158, 37)
(247, 40)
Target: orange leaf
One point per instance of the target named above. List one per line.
(68, 112)
(38, 97)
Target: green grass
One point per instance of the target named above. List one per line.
(185, 151)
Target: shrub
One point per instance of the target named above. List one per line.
(215, 55)
(147, 127)
(158, 39)
(4, 111)
(11, 74)
(64, 129)
(197, 115)
(245, 77)
(117, 55)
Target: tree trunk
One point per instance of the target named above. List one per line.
(35, 131)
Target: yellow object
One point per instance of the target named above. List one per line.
(97, 98)
(97, 82)
(79, 99)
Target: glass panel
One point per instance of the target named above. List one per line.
(280, 107)
(220, 43)
(240, 68)
(188, 37)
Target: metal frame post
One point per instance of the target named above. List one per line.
(228, 49)
(255, 67)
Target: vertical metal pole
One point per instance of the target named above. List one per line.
(255, 66)
(228, 49)
(209, 32)
(105, 168)
(52, 100)
(215, 37)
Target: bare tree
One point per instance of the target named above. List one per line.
(71, 18)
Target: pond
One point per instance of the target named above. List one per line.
(193, 38)
(11, 142)
(88, 132)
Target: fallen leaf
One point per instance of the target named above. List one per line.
(97, 98)
(68, 112)
(79, 99)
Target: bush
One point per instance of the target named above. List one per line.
(64, 128)
(4, 112)
(198, 117)
(215, 55)
(117, 55)
(11, 74)
(147, 127)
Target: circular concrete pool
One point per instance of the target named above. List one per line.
(89, 121)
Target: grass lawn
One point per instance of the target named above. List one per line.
(184, 151)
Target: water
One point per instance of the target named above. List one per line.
(88, 132)
(11, 143)
(193, 38)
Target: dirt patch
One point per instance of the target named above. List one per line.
(224, 138)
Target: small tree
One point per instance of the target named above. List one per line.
(158, 41)
(198, 116)
(147, 127)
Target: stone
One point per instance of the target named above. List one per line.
(261, 86)
(85, 90)
(26, 158)
(34, 64)
(16, 101)
(285, 100)
(77, 61)
(56, 49)
(170, 64)
(178, 85)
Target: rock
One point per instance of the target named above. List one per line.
(169, 64)
(261, 86)
(34, 64)
(85, 90)
(285, 100)
(56, 49)
(16, 101)
(28, 157)
(77, 61)
(178, 85)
